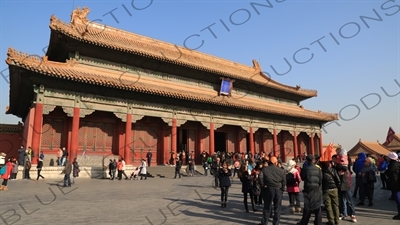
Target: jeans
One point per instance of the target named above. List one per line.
(63, 160)
(346, 203)
(397, 198)
(245, 201)
(67, 178)
(38, 173)
(294, 199)
(383, 179)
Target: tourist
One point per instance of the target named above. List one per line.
(191, 168)
(330, 185)
(205, 167)
(215, 167)
(368, 179)
(393, 181)
(59, 156)
(119, 168)
(382, 167)
(41, 156)
(64, 156)
(178, 167)
(75, 170)
(247, 186)
(27, 171)
(357, 167)
(124, 167)
(272, 178)
(256, 183)
(143, 170)
(14, 172)
(39, 169)
(21, 155)
(312, 192)
(224, 175)
(346, 206)
(149, 155)
(67, 173)
(236, 166)
(113, 168)
(6, 175)
(30, 154)
(293, 180)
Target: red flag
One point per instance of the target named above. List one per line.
(327, 156)
(390, 135)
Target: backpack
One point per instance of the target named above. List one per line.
(290, 180)
(3, 170)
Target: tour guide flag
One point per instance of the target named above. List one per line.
(390, 135)
(327, 156)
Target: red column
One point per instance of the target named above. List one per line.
(128, 138)
(173, 136)
(37, 131)
(74, 134)
(211, 138)
(320, 143)
(275, 143)
(261, 141)
(312, 144)
(296, 150)
(251, 140)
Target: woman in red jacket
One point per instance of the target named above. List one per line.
(292, 185)
(6, 175)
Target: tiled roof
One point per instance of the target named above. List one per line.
(116, 39)
(74, 71)
(375, 147)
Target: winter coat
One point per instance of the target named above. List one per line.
(8, 172)
(224, 178)
(312, 177)
(393, 174)
(68, 168)
(330, 179)
(359, 164)
(76, 170)
(15, 167)
(345, 181)
(294, 188)
(247, 182)
(143, 168)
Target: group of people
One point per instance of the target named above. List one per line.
(120, 167)
(326, 185)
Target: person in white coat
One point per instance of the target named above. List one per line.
(143, 170)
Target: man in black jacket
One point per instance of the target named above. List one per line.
(178, 167)
(273, 181)
(312, 177)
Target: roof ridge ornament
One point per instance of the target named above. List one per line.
(80, 15)
(256, 66)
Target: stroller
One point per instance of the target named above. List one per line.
(135, 174)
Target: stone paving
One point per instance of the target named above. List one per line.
(155, 201)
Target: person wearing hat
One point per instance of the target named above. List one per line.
(368, 179)
(273, 181)
(393, 181)
(312, 192)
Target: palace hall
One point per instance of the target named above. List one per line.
(102, 91)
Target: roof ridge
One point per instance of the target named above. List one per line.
(161, 50)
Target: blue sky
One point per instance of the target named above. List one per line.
(330, 46)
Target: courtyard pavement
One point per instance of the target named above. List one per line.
(155, 201)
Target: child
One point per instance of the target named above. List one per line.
(292, 185)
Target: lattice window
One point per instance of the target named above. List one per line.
(52, 133)
(96, 136)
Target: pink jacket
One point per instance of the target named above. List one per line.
(295, 188)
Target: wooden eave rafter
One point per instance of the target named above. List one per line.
(119, 40)
(76, 72)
